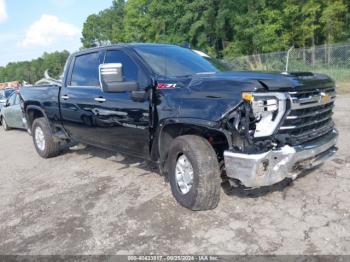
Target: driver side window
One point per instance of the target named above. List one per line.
(131, 70)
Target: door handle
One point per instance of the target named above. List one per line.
(100, 99)
(65, 97)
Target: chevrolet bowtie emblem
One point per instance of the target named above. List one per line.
(325, 98)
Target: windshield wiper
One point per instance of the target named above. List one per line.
(206, 73)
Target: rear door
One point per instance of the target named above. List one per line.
(78, 98)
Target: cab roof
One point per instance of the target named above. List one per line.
(122, 45)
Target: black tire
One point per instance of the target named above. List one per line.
(206, 187)
(4, 124)
(51, 148)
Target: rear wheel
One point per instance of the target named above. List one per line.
(194, 173)
(43, 139)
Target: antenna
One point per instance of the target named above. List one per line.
(46, 74)
(287, 62)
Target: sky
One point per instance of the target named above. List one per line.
(28, 28)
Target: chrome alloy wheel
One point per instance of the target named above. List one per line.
(184, 174)
(40, 138)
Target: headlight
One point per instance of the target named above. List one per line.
(268, 109)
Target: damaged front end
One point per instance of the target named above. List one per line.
(260, 155)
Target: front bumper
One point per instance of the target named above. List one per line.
(256, 170)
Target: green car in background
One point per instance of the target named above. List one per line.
(11, 115)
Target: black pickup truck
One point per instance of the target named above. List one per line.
(183, 111)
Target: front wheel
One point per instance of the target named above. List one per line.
(43, 140)
(194, 173)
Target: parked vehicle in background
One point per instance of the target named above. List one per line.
(11, 115)
(172, 106)
(4, 94)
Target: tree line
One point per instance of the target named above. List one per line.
(222, 28)
(32, 71)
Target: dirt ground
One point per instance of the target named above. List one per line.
(343, 87)
(90, 201)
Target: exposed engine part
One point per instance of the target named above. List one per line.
(243, 123)
(268, 110)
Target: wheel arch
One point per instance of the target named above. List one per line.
(170, 129)
(32, 113)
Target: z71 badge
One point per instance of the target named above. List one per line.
(165, 86)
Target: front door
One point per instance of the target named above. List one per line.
(126, 121)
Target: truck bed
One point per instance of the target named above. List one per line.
(44, 98)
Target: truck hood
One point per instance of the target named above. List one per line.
(209, 96)
(268, 81)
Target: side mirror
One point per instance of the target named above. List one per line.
(112, 80)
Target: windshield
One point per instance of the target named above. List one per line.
(167, 60)
(5, 93)
(8, 92)
(221, 65)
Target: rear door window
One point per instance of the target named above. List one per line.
(85, 70)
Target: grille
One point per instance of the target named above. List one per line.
(310, 116)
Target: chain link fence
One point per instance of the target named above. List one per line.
(333, 60)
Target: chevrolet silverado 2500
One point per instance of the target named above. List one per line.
(169, 105)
